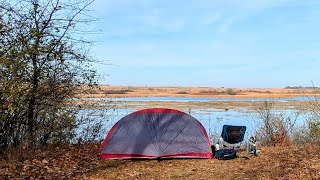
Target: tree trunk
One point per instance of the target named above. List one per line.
(32, 101)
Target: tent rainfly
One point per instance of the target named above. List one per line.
(156, 133)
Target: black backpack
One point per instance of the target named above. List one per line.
(225, 154)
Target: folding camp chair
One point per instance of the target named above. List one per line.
(232, 138)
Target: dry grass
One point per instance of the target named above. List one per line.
(133, 91)
(272, 163)
(245, 106)
(83, 162)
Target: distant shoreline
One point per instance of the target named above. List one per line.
(169, 91)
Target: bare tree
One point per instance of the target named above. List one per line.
(44, 62)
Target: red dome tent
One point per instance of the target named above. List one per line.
(156, 133)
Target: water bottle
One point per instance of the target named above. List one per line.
(217, 146)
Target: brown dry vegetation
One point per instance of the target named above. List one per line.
(135, 91)
(82, 162)
(272, 163)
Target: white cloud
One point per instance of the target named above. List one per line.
(201, 35)
(127, 17)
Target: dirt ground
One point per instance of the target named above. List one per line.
(83, 162)
(272, 163)
(145, 91)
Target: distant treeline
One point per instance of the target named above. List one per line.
(301, 87)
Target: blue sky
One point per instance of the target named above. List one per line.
(247, 43)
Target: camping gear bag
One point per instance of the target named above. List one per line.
(225, 154)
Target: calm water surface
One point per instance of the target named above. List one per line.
(212, 119)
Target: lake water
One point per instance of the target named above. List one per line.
(211, 118)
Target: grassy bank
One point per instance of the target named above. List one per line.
(186, 106)
(148, 91)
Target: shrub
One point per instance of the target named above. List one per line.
(230, 91)
(311, 130)
(275, 127)
(182, 92)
